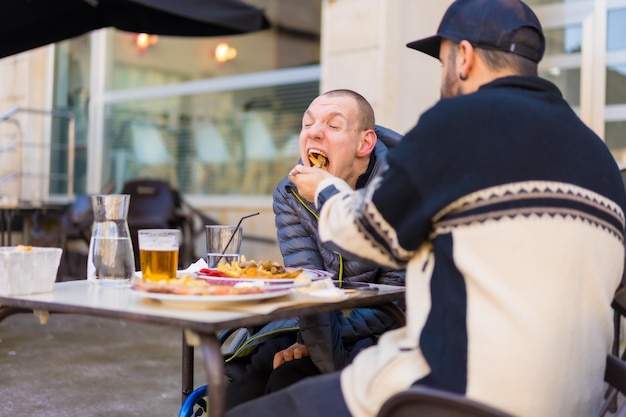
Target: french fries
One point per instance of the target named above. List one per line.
(262, 269)
(318, 160)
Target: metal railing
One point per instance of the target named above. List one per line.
(27, 171)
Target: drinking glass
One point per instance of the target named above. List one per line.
(223, 243)
(158, 253)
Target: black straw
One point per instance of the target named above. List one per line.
(233, 235)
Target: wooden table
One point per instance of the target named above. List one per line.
(201, 326)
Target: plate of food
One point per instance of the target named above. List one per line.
(264, 271)
(190, 292)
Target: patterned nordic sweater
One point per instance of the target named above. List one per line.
(509, 215)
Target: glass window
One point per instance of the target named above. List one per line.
(616, 28)
(616, 84)
(568, 81)
(71, 93)
(235, 142)
(564, 40)
(615, 137)
(293, 40)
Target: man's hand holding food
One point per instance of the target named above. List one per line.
(306, 179)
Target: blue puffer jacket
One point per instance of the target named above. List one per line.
(332, 339)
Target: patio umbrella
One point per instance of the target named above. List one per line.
(28, 24)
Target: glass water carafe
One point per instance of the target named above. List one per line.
(111, 260)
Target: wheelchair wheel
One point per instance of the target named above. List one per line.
(196, 404)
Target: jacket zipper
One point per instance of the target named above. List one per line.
(306, 206)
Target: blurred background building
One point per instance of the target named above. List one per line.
(218, 117)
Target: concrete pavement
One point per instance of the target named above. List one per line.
(82, 366)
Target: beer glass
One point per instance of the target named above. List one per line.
(158, 253)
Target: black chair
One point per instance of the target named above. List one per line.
(615, 374)
(155, 204)
(68, 228)
(615, 377)
(429, 402)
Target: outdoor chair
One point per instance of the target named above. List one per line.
(429, 402)
(615, 374)
(155, 204)
(69, 229)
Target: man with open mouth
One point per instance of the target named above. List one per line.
(338, 138)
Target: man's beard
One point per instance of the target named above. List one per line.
(450, 86)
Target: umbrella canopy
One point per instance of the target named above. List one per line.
(28, 24)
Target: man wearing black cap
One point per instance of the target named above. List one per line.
(508, 213)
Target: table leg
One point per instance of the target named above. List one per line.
(9, 311)
(214, 366)
(187, 365)
(3, 226)
(9, 224)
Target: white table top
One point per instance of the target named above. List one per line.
(86, 298)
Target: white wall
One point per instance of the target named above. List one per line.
(363, 48)
(25, 83)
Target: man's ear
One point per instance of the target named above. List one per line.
(368, 142)
(466, 61)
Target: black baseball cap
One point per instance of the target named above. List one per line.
(487, 24)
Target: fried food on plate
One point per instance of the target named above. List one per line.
(263, 269)
(188, 285)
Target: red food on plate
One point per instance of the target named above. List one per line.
(211, 273)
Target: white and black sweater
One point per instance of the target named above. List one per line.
(509, 215)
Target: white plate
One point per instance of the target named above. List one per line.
(179, 273)
(207, 301)
(313, 274)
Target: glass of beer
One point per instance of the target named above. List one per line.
(158, 253)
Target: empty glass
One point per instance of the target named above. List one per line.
(223, 243)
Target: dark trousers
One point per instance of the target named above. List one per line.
(291, 372)
(318, 396)
(250, 383)
(259, 378)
